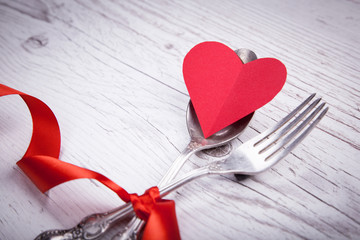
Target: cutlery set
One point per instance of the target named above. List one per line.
(251, 158)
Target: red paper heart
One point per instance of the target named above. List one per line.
(223, 89)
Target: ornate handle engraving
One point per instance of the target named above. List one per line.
(91, 227)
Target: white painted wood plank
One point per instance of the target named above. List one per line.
(111, 72)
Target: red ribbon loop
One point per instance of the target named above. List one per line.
(144, 204)
(157, 213)
(41, 164)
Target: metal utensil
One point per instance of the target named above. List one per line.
(94, 225)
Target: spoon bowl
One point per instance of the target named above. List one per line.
(219, 144)
(219, 140)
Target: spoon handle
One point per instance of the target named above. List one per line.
(95, 225)
(175, 167)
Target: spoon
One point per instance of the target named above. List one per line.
(216, 146)
(95, 225)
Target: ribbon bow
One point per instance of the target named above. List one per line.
(42, 165)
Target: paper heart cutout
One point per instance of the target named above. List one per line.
(223, 89)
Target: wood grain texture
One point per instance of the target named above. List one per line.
(112, 73)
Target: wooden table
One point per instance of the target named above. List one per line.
(112, 73)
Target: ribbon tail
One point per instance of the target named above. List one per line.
(47, 172)
(41, 164)
(162, 222)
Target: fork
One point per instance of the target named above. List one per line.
(261, 152)
(252, 157)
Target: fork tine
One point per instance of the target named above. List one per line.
(273, 138)
(258, 139)
(278, 154)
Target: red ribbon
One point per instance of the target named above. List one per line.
(42, 165)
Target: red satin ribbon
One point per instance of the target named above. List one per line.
(41, 164)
